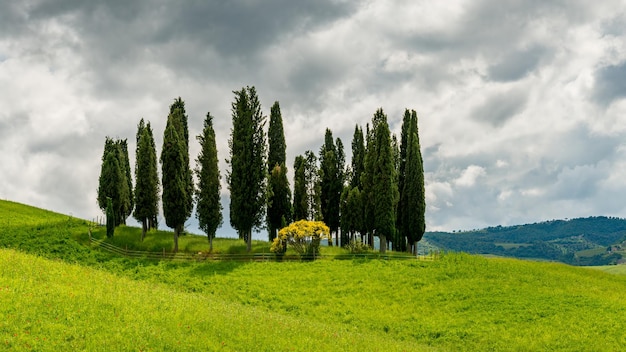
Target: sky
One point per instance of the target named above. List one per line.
(521, 104)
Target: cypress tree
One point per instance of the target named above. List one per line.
(330, 184)
(177, 110)
(209, 208)
(300, 198)
(129, 201)
(174, 171)
(247, 177)
(340, 185)
(113, 182)
(351, 214)
(279, 193)
(153, 221)
(358, 157)
(313, 190)
(402, 207)
(146, 178)
(414, 220)
(381, 185)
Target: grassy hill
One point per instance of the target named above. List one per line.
(583, 241)
(68, 296)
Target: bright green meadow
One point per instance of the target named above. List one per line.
(59, 292)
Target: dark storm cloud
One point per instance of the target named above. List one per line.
(610, 84)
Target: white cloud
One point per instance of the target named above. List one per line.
(470, 175)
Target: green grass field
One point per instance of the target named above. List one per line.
(67, 296)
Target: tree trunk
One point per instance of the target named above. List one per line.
(249, 241)
(383, 244)
(144, 228)
(210, 244)
(337, 238)
(177, 232)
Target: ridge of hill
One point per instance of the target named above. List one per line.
(593, 240)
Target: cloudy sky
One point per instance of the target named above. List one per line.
(521, 104)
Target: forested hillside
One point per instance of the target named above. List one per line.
(583, 241)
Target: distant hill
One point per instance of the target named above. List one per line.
(583, 241)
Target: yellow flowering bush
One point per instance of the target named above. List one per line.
(303, 236)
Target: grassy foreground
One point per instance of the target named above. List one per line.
(89, 300)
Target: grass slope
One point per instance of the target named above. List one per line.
(460, 302)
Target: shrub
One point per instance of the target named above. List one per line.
(303, 236)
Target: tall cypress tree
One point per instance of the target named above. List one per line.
(402, 207)
(247, 177)
(153, 221)
(381, 186)
(209, 208)
(125, 165)
(146, 178)
(113, 185)
(174, 171)
(414, 220)
(279, 193)
(330, 183)
(313, 190)
(177, 110)
(358, 157)
(300, 198)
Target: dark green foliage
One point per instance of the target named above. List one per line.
(351, 214)
(113, 182)
(110, 218)
(125, 165)
(358, 157)
(380, 186)
(279, 192)
(413, 202)
(247, 177)
(331, 183)
(276, 139)
(208, 208)
(180, 123)
(279, 205)
(174, 171)
(300, 199)
(146, 178)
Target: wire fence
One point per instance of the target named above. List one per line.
(248, 257)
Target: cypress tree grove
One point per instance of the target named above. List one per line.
(247, 177)
(278, 191)
(208, 208)
(146, 178)
(174, 171)
(414, 220)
